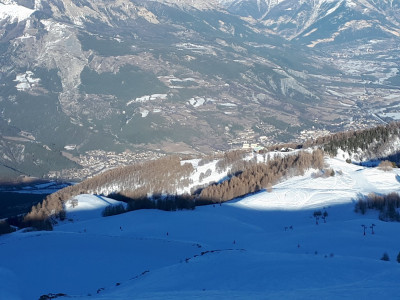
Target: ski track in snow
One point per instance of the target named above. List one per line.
(263, 246)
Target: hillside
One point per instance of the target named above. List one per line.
(266, 245)
(182, 182)
(85, 79)
(172, 182)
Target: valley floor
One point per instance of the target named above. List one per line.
(264, 246)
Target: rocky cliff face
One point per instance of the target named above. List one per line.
(321, 21)
(84, 75)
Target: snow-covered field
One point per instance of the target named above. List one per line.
(264, 246)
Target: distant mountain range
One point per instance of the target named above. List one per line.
(204, 75)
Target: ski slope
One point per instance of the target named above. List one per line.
(264, 246)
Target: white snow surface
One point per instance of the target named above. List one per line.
(84, 207)
(14, 12)
(264, 246)
(26, 81)
(197, 101)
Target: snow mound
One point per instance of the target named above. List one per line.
(84, 207)
(14, 12)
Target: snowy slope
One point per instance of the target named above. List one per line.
(303, 193)
(219, 175)
(8, 285)
(14, 12)
(244, 249)
(85, 207)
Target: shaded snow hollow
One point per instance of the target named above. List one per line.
(264, 246)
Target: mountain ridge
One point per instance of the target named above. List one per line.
(151, 75)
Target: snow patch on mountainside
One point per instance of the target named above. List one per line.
(14, 12)
(147, 98)
(143, 112)
(26, 81)
(197, 101)
(197, 4)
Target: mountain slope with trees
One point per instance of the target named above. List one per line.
(269, 244)
(173, 183)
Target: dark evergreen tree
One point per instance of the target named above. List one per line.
(385, 257)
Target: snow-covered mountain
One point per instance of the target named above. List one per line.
(266, 245)
(14, 13)
(85, 75)
(323, 21)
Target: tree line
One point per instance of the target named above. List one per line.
(165, 176)
(387, 205)
(161, 176)
(372, 141)
(261, 176)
